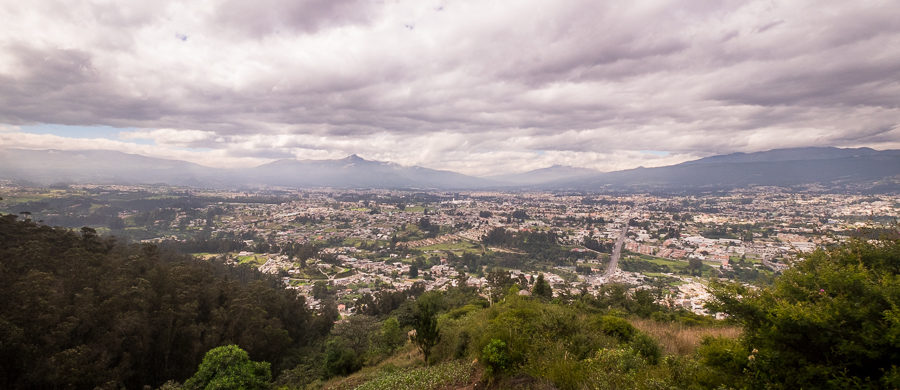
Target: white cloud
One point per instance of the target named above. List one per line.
(468, 85)
(171, 137)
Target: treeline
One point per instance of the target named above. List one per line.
(80, 311)
(540, 247)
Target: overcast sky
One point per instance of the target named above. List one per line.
(478, 87)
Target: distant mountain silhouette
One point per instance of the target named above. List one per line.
(830, 167)
(101, 167)
(544, 175)
(356, 172)
(833, 167)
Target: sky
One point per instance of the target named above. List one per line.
(478, 87)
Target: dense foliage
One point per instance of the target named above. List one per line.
(832, 321)
(81, 311)
(230, 368)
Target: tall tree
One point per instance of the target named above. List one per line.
(425, 324)
(542, 288)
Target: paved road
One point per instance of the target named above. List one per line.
(617, 251)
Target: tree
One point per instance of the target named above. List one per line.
(413, 271)
(425, 324)
(320, 289)
(391, 336)
(340, 358)
(542, 288)
(695, 266)
(520, 214)
(499, 282)
(229, 367)
(832, 321)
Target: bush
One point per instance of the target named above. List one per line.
(726, 355)
(646, 347)
(831, 321)
(618, 327)
(495, 356)
(229, 367)
(340, 359)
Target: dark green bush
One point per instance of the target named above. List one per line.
(646, 347)
(618, 327)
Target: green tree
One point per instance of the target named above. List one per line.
(425, 324)
(499, 282)
(391, 335)
(340, 358)
(320, 290)
(542, 288)
(695, 266)
(229, 367)
(832, 321)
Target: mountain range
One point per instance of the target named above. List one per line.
(829, 167)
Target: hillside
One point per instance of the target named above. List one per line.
(83, 311)
(80, 311)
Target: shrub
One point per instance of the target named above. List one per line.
(646, 347)
(831, 321)
(618, 327)
(495, 356)
(340, 359)
(229, 367)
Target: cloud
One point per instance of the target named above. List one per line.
(173, 137)
(476, 86)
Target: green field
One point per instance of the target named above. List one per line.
(255, 260)
(458, 248)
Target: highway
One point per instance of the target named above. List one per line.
(617, 250)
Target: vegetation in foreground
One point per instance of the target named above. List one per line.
(84, 311)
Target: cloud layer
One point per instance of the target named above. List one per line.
(473, 86)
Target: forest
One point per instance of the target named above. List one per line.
(81, 310)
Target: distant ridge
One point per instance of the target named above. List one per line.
(544, 175)
(100, 167)
(355, 172)
(832, 167)
(829, 167)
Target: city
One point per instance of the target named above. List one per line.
(354, 243)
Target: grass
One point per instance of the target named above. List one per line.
(458, 248)
(404, 370)
(680, 339)
(666, 262)
(252, 259)
(441, 376)
(406, 357)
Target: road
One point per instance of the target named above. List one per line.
(617, 250)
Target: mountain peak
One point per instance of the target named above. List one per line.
(354, 158)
